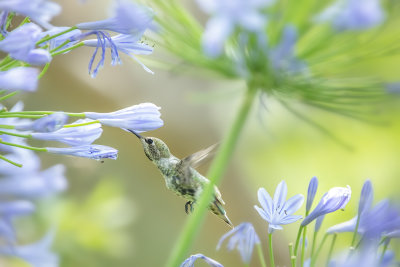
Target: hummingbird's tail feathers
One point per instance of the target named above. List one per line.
(217, 208)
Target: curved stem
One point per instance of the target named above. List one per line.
(331, 249)
(261, 255)
(296, 246)
(303, 247)
(313, 259)
(8, 95)
(67, 49)
(15, 134)
(353, 241)
(313, 243)
(26, 147)
(56, 35)
(217, 168)
(271, 251)
(10, 161)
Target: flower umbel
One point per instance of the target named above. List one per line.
(278, 211)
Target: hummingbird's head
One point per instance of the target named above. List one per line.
(154, 148)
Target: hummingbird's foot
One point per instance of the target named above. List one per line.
(188, 205)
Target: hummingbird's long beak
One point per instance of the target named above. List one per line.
(135, 133)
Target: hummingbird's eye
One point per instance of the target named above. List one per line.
(149, 141)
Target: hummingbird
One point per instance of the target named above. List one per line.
(180, 175)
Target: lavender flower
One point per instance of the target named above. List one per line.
(189, 262)
(19, 78)
(128, 18)
(20, 44)
(50, 123)
(40, 11)
(353, 14)
(278, 211)
(243, 237)
(74, 136)
(336, 198)
(97, 152)
(226, 16)
(138, 118)
(312, 190)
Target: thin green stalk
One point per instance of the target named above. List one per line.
(303, 247)
(8, 95)
(271, 251)
(26, 147)
(15, 134)
(353, 241)
(261, 255)
(296, 246)
(313, 243)
(2, 126)
(313, 259)
(217, 168)
(331, 249)
(292, 257)
(10, 161)
(385, 246)
(61, 45)
(44, 70)
(81, 124)
(56, 35)
(67, 49)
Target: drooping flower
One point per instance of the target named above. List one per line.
(19, 78)
(50, 123)
(336, 198)
(243, 238)
(278, 211)
(189, 262)
(40, 11)
(312, 190)
(128, 18)
(97, 152)
(353, 14)
(74, 136)
(138, 118)
(226, 15)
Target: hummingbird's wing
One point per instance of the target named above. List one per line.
(196, 159)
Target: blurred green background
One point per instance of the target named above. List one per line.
(120, 212)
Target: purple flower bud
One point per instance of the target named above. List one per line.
(189, 262)
(19, 78)
(312, 190)
(366, 197)
(336, 198)
(50, 123)
(97, 152)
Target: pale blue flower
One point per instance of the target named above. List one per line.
(243, 238)
(97, 152)
(189, 262)
(353, 14)
(20, 44)
(40, 11)
(128, 18)
(336, 198)
(312, 190)
(37, 254)
(33, 185)
(74, 136)
(278, 211)
(138, 118)
(226, 15)
(50, 123)
(72, 36)
(19, 78)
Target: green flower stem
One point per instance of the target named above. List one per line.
(44, 70)
(303, 247)
(58, 47)
(68, 49)
(217, 168)
(8, 95)
(385, 246)
(331, 249)
(2, 126)
(353, 241)
(10, 161)
(81, 124)
(296, 246)
(292, 257)
(26, 147)
(17, 135)
(313, 243)
(313, 259)
(261, 255)
(271, 251)
(56, 35)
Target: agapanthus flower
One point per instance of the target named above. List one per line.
(128, 18)
(97, 152)
(312, 190)
(33, 185)
(278, 211)
(74, 136)
(243, 237)
(20, 44)
(50, 123)
(138, 118)
(226, 15)
(336, 198)
(71, 36)
(19, 78)
(40, 11)
(353, 14)
(189, 262)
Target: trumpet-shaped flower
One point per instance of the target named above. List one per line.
(243, 238)
(19, 78)
(74, 136)
(50, 123)
(97, 152)
(128, 18)
(189, 262)
(336, 198)
(138, 118)
(278, 211)
(40, 11)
